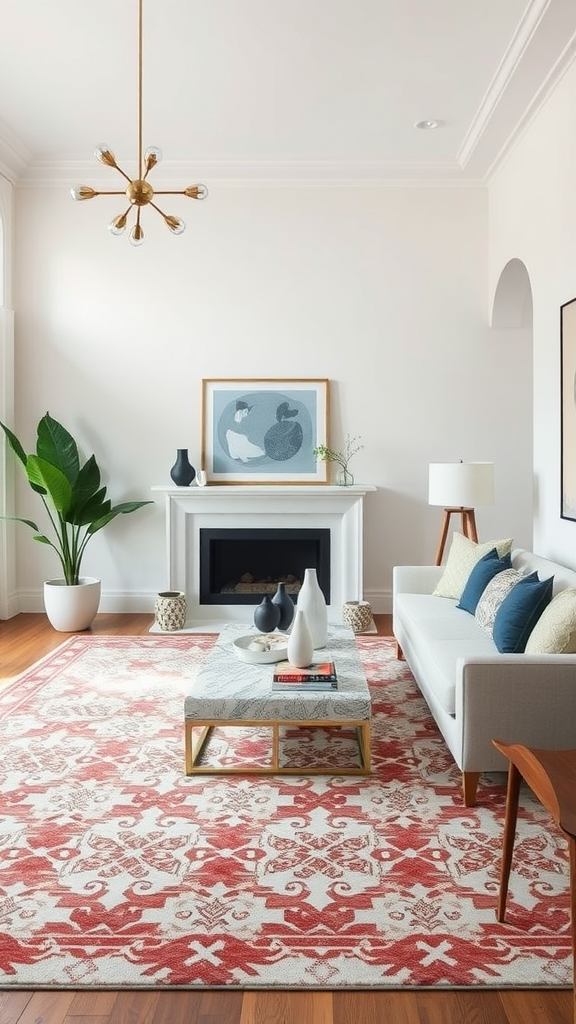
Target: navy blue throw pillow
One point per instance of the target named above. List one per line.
(485, 570)
(519, 613)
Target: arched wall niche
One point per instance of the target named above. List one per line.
(512, 305)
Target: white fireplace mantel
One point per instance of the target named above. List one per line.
(274, 506)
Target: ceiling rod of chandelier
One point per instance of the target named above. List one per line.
(138, 191)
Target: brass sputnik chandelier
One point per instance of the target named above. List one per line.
(139, 192)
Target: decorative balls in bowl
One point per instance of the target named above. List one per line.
(261, 649)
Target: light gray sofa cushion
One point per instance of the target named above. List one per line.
(447, 632)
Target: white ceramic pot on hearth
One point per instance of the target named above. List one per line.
(71, 609)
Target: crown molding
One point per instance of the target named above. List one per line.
(541, 51)
(14, 157)
(281, 174)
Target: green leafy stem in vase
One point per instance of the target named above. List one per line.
(350, 447)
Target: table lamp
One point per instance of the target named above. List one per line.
(459, 487)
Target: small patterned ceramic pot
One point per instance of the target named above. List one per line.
(357, 615)
(170, 610)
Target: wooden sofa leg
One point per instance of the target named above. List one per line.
(399, 652)
(469, 787)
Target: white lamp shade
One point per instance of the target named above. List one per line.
(461, 484)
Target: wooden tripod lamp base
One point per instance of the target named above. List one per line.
(459, 487)
(468, 522)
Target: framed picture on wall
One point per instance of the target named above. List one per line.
(568, 409)
(260, 431)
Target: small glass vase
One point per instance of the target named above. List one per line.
(344, 477)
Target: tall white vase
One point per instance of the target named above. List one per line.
(300, 647)
(311, 602)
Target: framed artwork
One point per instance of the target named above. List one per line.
(568, 409)
(264, 431)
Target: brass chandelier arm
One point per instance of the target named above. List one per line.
(174, 224)
(123, 173)
(176, 192)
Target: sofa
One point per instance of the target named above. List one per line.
(475, 691)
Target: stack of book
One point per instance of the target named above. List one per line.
(317, 677)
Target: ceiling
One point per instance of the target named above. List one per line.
(281, 90)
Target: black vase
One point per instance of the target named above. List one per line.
(182, 471)
(284, 602)
(266, 615)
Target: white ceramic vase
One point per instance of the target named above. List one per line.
(72, 608)
(300, 646)
(311, 602)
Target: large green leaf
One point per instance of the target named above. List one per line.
(14, 444)
(57, 486)
(57, 446)
(122, 509)
(94, 508)
(86, 494)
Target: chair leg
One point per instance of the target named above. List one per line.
(514, 779)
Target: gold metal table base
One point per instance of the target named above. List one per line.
(197, 732)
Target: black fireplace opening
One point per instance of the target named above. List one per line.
(242, 566)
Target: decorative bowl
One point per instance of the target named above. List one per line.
(261, 649)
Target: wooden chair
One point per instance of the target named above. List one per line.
(551, 775)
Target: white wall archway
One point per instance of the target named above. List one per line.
(512, 305)
(512, 315)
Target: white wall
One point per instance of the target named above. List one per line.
(384, 291)
(533, 218)
(8, 596)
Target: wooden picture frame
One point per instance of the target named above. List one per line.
(264, 431)
(568, 409)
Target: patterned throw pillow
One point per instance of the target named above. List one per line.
(492, 598)
(462, 557)
(555, 631)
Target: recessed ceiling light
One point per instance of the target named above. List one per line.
(431, 123)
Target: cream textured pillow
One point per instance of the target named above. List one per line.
(492, 598)
(462, 558)
(555, 631)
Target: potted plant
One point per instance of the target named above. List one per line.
(350, 447)
(77, 508)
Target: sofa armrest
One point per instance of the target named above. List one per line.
(415, 579)
(518, 698)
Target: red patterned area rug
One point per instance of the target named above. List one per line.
(117, 870)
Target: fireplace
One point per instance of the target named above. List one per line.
(272, 511)
(241, 566)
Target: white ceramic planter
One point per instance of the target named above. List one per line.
(72, 608)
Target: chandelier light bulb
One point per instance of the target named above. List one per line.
(137, 234)
(176, 225)
(104, 154)
(82, 192)
(152, 156)
(198, 191)
(117, 226)
(138, 191)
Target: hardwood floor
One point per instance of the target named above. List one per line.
(26, 638)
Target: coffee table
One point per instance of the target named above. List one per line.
(229, 692)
